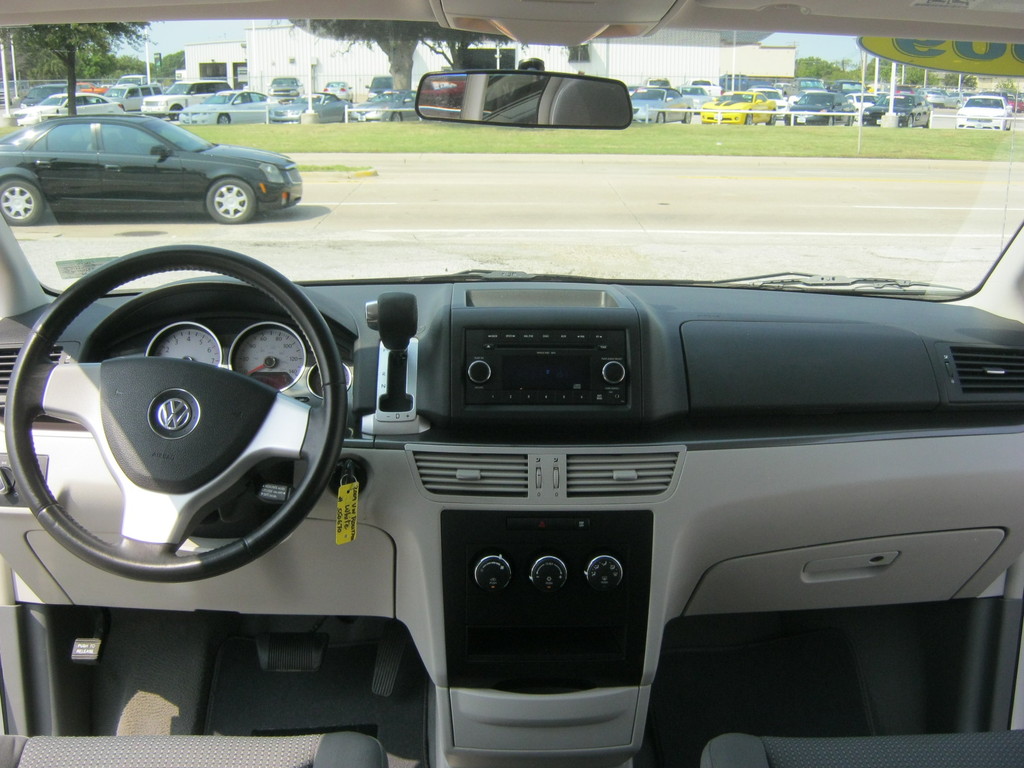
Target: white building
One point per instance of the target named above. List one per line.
(286, 50)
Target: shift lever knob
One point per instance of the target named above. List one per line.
(397, 319)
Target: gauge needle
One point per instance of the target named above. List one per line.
(257, 368)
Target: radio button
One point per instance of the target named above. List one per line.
(479, 372)
(613, 372)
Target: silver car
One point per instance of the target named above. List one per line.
(228, 107)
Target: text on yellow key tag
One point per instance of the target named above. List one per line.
(348, 511)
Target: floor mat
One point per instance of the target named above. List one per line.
(246, 700)
(804, 685)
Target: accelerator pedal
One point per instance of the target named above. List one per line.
(389, 657)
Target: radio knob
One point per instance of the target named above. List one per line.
(479, 372)
(613, 372)
(548, 573)
(604, 573)
(492, 573)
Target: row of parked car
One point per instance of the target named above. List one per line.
(205, 102)
(912, 108)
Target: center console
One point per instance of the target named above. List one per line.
(539, 602)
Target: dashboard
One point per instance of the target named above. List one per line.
(550, 472)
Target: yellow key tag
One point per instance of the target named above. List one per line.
(348, 512)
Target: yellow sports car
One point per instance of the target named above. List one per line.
(745, 107)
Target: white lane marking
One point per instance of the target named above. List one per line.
(701, 232)
(933, 208)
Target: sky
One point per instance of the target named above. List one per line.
(171, 36)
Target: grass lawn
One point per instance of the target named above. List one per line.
(672, 139)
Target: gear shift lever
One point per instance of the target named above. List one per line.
(396, 323)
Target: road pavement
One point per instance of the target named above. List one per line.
(620, 217)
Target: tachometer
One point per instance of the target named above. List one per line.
(270, 352)
(186, 341)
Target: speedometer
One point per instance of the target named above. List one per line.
(186, 341)
(270, 352)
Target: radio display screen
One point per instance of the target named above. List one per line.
(545, 372)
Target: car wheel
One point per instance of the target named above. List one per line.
(660, 117)
(231, 201)
(849, 121)
(21, 202)
(175, 112)
(687, 118)
(748, 120)
(223, 119)
(396, 117)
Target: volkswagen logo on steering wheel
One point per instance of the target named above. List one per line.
(174, 414)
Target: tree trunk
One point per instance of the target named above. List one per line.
(69, 58)
(399, 54)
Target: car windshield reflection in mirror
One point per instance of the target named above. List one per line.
(528, 99)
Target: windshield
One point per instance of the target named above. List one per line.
(985, 102)
(352, 193)
(56, 100)
(220, 98)
(647, 94)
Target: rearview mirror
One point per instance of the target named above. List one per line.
(530, 99)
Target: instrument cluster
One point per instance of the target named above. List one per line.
(268, 351)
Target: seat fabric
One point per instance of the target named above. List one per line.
(995, 749)
(335, 750)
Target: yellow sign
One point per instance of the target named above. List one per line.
(1002, 59)
(346, 523)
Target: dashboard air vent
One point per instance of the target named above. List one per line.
(626, 474)
(7, 357)
(989, 371)
(473, 474)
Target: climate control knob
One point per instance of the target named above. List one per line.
(604, 573)
(548, 573)
(613, 372)
(479, 372)
(492, 573)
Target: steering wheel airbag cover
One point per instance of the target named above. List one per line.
(173, 437)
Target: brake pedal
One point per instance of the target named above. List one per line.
(291, 652)
(389, 658)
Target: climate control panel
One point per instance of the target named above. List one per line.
(547, 573)
(545, 596)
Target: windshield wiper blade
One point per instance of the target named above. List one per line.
(800, 281)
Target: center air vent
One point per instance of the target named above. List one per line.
(627, 474)
(473, 474)
(989, 373)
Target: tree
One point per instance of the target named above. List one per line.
(812, 66)
(68, 42)
(398, 40)
(169, 64)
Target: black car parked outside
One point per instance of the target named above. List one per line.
(911, 110)
(821, 108)
(100, 162)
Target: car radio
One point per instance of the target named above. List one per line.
(546, 367)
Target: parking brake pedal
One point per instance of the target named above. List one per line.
(291, 652)
(389, 658)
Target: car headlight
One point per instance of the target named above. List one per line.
(272, 172)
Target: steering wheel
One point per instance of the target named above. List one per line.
(175, 434)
